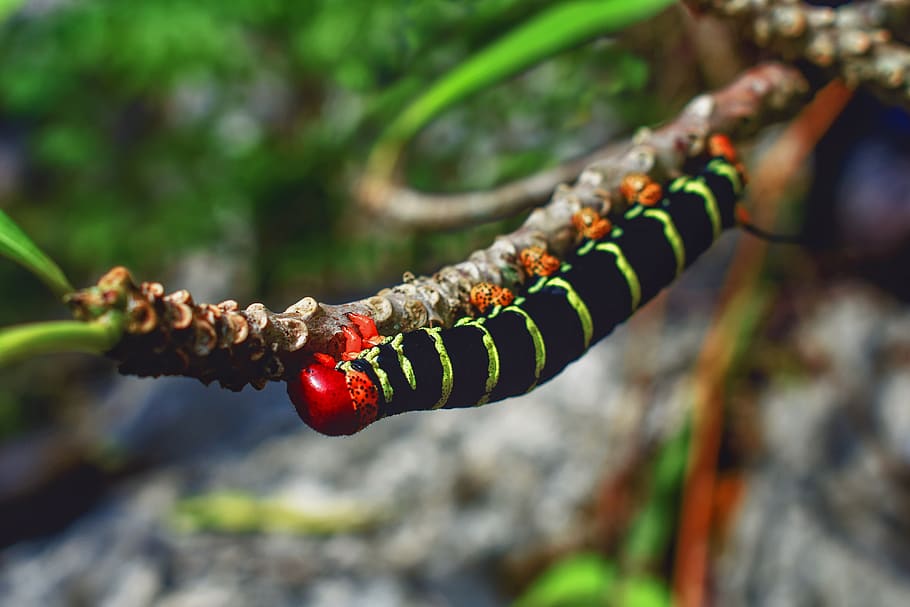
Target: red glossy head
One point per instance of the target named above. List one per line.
(322, 398)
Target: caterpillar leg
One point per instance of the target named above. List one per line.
(719, 145)
(361, 336)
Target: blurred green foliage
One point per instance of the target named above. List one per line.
(237, 512)
(16, 246)
(548, 33)
(136, 132)
(590, 580)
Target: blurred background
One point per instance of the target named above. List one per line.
(213, 145)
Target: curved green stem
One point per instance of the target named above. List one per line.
(15, 245)
(553, 30)
(8, 7)
(23, 341)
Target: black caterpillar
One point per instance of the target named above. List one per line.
(518, 346)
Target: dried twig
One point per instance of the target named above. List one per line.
(170, 334)
(854, 41)
(405, 206)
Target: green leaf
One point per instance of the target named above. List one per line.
(237, 512)
(8, 7)
(23, 341)
(553, 30)
(651, 531)
(580, 580)
(15, 245)
(643, 591)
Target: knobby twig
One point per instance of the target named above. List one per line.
(854, 41)
(171, 334)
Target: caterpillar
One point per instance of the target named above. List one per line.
(523, 342)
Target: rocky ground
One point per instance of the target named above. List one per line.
(447, 496)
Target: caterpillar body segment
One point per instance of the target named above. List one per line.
(516, 345)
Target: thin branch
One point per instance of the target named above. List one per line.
(402, 205)
(171, 334)
(854, 41)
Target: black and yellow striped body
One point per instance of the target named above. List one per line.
(557, 318)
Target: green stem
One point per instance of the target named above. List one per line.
(17, 246)
(29, 340)
(551, 31)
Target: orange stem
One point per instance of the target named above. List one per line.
(770, 180)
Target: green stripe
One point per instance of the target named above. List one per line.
(537, 286)
(372, 357)
(725, 169)
(673, 237)
(634, 212)
(626, 268)
(397, 344)
(587, 325)
(446, 363)
(540, 349)
(678, 183)
(698, 186)
(586, 247)
(493, 365)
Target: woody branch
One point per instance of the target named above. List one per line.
(861, 42)
(173, 335)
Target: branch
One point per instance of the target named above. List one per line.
(853, 42)
(415, 209)
(171, 334)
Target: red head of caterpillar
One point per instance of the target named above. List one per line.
(337, 402)
(331, 401)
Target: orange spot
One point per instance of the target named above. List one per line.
(590, 224)
(651, 194)
(638, 188)
(485, 295)
(720, 145)
(502, 296)
(742, 215)
(536, 261)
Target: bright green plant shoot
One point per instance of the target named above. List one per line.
(8, 7)
(23, 341)
(15, 245)
(60, 336)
